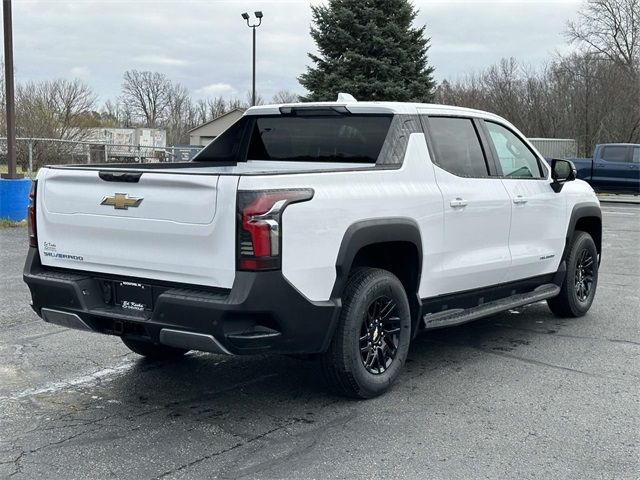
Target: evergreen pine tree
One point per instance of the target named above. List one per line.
(370, 49)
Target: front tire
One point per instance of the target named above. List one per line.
(579, 287)
(153, 351)
(372, 338)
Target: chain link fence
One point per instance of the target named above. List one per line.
(33, 153)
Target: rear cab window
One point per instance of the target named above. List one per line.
(342, 138)
(351, 139)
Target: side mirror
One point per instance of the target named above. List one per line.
(562, 171)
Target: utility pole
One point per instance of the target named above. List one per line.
(10, 98)
(259, 16)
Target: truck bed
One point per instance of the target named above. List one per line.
(251, 167)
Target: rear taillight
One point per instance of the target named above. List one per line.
(260, 226)
(31, 215)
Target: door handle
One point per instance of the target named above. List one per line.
(458, 202)
(520, 200)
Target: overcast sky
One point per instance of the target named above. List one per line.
(207, 46)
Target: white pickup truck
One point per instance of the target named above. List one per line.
(334, 229)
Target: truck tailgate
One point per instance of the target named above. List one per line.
(165, 226)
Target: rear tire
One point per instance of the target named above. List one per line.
(153, 351)
(579, 286)
(371, 341)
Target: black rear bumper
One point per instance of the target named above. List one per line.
(261, 313)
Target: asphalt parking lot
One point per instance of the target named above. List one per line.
(519, 395)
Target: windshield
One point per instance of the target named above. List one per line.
(317, 138)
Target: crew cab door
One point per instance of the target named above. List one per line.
(538, 214)
(477, 208)
(614, 168)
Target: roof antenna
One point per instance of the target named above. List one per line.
(345, 98)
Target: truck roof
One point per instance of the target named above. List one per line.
(379, 107)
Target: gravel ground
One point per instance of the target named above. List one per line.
(520, 395)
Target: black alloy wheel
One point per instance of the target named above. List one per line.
(379, 335)
(584, 275)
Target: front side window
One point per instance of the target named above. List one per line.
(457, 146)
(516, 159)
(636, 154)
(614, 153)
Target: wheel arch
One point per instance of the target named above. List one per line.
(394, 244)
(585, 217)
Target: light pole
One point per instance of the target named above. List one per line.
(253, 26)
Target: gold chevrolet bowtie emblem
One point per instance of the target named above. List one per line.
(121, 201)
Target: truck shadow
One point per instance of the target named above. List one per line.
(213, 382)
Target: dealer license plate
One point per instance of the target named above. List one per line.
(134, 296)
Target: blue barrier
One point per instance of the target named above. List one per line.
(14, 198)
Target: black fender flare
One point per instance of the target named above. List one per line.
(579, 211)
(369, 232)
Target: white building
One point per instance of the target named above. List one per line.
(556, 147)
(127, 144)
(144, 137)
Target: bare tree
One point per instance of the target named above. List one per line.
(60, 109)
(127, 115)
(610, 28)
(285, 96)
(247, 102)
(582, 96)
(206, 109)
(111, 110)
(504, 84)
(201, 111)
(217, 106)
(73, 101)
(147, 94)
(181, 115)
(234, 103)
(54, 108)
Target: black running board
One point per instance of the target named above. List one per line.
(448, 318)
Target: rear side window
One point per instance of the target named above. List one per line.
(615, 153)
(457, 146)
(227, 147)
(331, 138)
(636, 154)
(516, 159)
